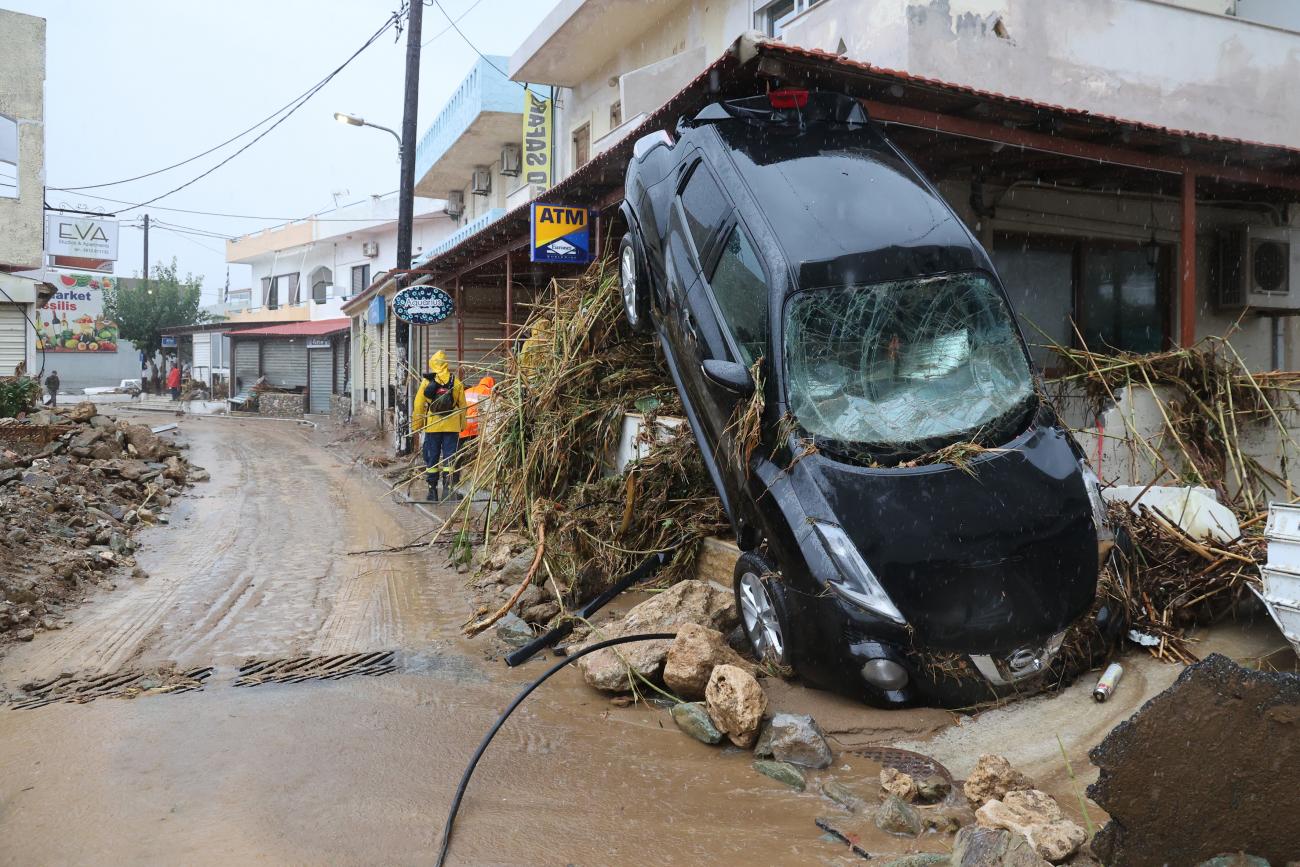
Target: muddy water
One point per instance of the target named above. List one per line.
(361, 770)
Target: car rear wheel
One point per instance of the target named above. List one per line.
(631, 275)
(761, 604)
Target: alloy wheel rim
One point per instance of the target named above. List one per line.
(627, 270)
(761, 623)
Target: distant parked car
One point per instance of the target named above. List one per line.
(785, 234)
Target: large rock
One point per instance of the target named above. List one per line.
(992, 778)
(693, 655)
(895, 782)
(797, 739)
(82, 412)
(736, 703)
(782, 772)
(896, 816)
(1211, 765)
(978, 846)
(1038, 818)
(683, 603)
(692, 718)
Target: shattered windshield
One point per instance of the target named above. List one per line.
(907, 366)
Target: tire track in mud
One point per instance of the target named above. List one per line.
(254, 563)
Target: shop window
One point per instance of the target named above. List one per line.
(1121, 299)
(8, 157)
(740, 290)
(581, 146)
(1039, 279)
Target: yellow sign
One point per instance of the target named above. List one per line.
(537, 139)
(560, 234)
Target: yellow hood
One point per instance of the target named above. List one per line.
(438, 366)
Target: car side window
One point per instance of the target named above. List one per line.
(740, 290)
(705, 206)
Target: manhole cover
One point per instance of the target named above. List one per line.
(915, 765)
(259, 671)
(80, 689)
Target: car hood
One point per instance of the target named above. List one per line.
(980, 560)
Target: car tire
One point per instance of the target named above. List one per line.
(760, 601)
(633, 286)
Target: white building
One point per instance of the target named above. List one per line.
(22, 187)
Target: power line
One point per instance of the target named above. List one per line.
(184, 236)
(251, 216)
(460, 17)
(472, 45)
(299, 104)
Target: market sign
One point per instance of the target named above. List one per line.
(82, 237)
(73, 320)
(168, 341)
(422, 305)
(318, 343)
(537, 139)
(560, 234)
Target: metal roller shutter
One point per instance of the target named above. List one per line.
(284, 363)
(320, 375)
(485, 315)
(13, 338)
(370, 355)
(248, 364)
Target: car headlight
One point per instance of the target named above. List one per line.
(1093, 486)
(855, 580)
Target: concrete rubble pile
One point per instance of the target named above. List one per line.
(72, 506)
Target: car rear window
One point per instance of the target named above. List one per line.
(900, 368)
(705, 206)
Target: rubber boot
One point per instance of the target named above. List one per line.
(432, 479)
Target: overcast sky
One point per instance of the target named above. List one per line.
(135, 85)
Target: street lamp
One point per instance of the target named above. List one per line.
(354, 120)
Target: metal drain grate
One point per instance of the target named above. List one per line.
(259, 671)
(915, 765)
(122, 684)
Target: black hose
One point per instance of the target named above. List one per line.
(487, 739)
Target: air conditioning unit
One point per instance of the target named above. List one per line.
(455, 204)
(481, 183)
(370, 248)
(1257, 269)
(510, 160)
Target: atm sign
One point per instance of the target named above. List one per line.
(560, 234)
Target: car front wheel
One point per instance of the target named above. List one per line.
(761, 603)
(631, 275)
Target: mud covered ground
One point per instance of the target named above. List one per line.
(216, 761)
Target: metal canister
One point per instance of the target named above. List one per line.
(1109, 679)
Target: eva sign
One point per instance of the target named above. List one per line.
(82, 237)
(422, 305)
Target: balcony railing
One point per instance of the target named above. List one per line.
(459, 235)
(484, 89)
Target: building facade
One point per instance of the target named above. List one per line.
(22, 188)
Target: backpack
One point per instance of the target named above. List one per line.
(440, 397)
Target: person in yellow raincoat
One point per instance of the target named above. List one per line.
(439, 416)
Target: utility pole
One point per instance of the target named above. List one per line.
(146, 252)
(406, 214)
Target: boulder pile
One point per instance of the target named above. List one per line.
(75, 486)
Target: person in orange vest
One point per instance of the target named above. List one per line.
(439, 416)
(473, 396)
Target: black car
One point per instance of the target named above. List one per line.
(785, 235)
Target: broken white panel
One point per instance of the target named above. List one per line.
(1197, 511)
(1281, 594)
(632, 445)
(1283, 535)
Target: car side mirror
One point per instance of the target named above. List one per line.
(731, 375)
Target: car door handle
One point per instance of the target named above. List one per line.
(688, 323)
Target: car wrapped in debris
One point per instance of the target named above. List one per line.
(917, 526)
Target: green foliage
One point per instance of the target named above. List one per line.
(18, 395)
(143, 312)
